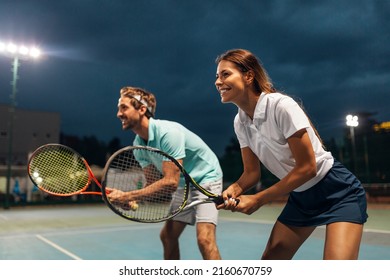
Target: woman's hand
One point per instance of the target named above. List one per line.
(247, 204)
(230, 197)
(235, 202)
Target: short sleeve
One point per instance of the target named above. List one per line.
(173, 143)
(290, 117)
(239, 129)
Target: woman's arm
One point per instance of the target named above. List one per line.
(250, 176)
(305, 169)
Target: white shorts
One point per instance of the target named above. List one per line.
(202, 213)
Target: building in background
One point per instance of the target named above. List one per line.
(31, 129)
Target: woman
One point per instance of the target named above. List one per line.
(274, 131)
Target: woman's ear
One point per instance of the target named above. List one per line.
(249, 77)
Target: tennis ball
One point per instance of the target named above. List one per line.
(134, 206)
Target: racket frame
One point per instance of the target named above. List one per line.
(211, 197)
(91, 176)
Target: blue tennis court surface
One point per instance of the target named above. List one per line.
(95, 233)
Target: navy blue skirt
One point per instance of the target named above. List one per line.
(338, 197)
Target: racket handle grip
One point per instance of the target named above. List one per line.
(219, 200)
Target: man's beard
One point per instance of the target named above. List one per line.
(129, 124)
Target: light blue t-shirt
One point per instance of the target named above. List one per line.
(177, 141)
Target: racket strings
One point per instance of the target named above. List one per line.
(141, 171)
(58, 170)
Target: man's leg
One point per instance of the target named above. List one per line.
(169, 236)
(206, 235)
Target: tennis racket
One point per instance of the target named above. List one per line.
(61, 171)
(148, 177)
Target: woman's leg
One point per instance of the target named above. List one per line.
(285, 241)
(342, 241)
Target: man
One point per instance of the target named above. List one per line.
(136, 110)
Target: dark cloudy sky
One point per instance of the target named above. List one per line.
(333, 55)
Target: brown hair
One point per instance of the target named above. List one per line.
(246, 61)
(145, 98)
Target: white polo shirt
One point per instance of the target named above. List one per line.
(276, 118)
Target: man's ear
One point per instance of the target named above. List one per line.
(143, 109)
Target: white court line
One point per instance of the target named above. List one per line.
(59, 248)
(5, 218)
(250, 221)
(82, 231)
(376, 231)
(102, 230)
(269, 222)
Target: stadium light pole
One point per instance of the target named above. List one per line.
(352, 122)
(17, 53)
